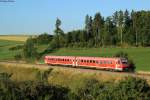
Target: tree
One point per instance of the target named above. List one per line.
(134, 24)
(44, 38)
(29, 50)
(120, 24)
(108, 36)
(88, 26)
(59, 34)
(128, 32)
(98, 23)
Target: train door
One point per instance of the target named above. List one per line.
(118, 65)
(77, 61)
(74, 61)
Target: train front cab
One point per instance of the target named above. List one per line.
(122, 65)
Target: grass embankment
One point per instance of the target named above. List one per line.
(73, 79)
(5, 53)
(139, 55)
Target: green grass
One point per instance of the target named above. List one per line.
(5, 53)
(141, 56)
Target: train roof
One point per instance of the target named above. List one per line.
(86, 58)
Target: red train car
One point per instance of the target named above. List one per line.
(117, 64)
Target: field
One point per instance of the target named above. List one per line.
(14, 37)
(140, 56)
(5, 53)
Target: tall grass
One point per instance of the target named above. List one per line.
(73, 79)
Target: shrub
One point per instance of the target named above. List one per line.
(29, 90)
(18, 57)
(128, 89)
(18, 47)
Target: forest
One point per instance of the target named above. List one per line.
(123, 28)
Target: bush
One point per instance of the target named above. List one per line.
(29, 90)
(18, 57)
(128, 89)
(132, 89)
(18, 47)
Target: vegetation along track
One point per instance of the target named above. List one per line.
(144, 75)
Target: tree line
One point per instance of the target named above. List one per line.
(122, 28)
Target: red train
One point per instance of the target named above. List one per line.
(116, 64)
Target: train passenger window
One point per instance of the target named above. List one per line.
(110, 62)
(90, 61)
(97, 62)
(93, 61)
(104, 62)
(101, 62)
(107, 62)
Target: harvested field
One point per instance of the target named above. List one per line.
(14, 37)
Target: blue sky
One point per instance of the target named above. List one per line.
(38, 16)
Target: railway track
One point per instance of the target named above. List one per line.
(42, 66)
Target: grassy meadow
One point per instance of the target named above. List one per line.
(5, 53)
